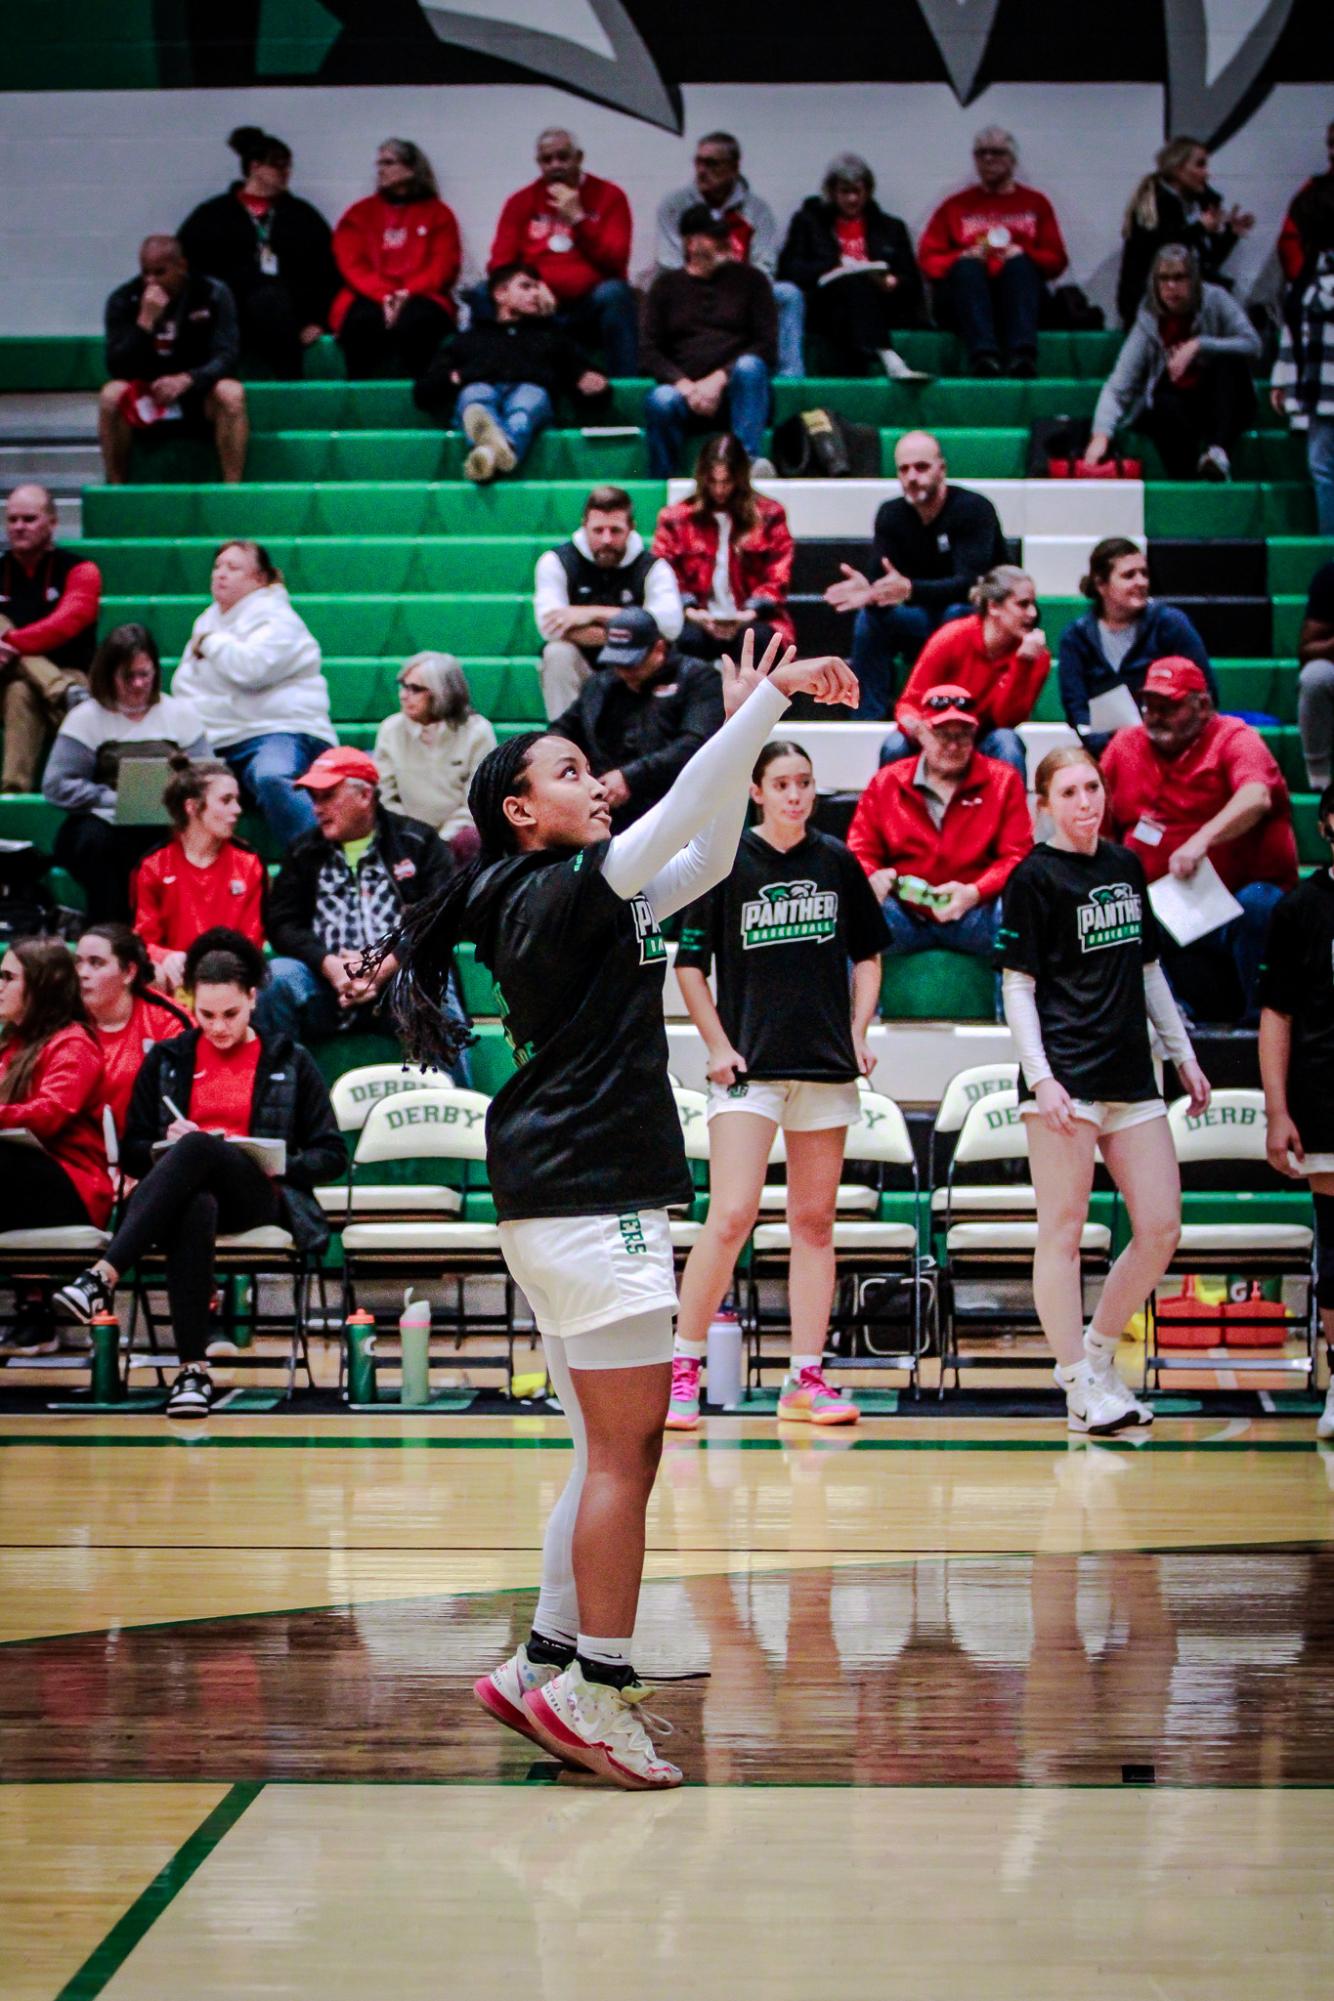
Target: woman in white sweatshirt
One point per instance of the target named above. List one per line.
(252, 671)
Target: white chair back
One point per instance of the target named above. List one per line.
(444, 1124)
(1233, 1127)
(880, 1133)
(353, 1094)
(992, 1130)
(691, 1108)
(966, 1087)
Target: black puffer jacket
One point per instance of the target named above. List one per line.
(291, 1103)
(220, 241)
(812, 249)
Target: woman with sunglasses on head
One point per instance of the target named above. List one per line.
(998, 655)
(1081, 984)
(786, 1042)
(50, 1089)
(585, 1155)
(219, 1082)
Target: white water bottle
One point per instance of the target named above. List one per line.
(414, 1333)
(724, 1357)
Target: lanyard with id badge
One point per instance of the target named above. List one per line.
(268, 256)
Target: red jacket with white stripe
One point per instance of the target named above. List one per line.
(986, 832)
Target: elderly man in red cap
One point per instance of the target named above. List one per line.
(939, 835)
(1187, 784)
(341, 887)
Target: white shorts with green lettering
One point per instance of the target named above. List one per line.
(583, 1272)
(796, 1106)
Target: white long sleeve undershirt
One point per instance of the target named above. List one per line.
(687, 842)
(1019, 997)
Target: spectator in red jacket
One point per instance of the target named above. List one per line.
(989, 252)
(125, 1012)
(954, 822)
(51, 1087)
(998, 654)
(48, 632)
(731, 551)
(202, 876)
(1307, 228)
(399, 255)
(1188, 785)
(573, 230)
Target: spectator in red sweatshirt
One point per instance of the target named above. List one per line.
(1302, 235)
(51, 1087)
(574, 231)
(954, 822)
(399, 255)
(48, 632)
(124, 1010)
(998, 655)
(989, 252)
(202, 877)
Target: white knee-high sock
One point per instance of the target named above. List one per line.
(557, 1614)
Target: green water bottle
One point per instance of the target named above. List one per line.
(107, 1384)
(359, 1333)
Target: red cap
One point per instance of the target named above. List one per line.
(946, 704)
(331, 767)
(1174, 678)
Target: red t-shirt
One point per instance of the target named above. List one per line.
(223, 1090)
(1180, 794)
(851, 233)
(152, 1019)
(175, 899)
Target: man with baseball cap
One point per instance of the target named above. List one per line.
(1187, 784)
(642, 714)
(939, 835)
(341, 887)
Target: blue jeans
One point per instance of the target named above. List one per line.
(1007, 746)
(996, 315)
(607, 317)
(296, 1002)
(744, 409)
(1320, 462)
(974, 933)
(521, 409)
(1198, 972)
(265, 767)
(791, 303)
(882, 635)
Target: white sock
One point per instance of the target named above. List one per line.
(1071, 1373)
(607, 1653)
(800, 1362)
(694, 1351)
(1101, 1348)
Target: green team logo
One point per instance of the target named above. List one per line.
(1113, 915)
(652, 944)
(786, 911)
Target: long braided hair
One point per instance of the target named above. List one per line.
(424, 942)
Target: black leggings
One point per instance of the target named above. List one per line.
(203, 1186)
(371, 349)
(1183, 422)
(102, 858)
(36, 1193)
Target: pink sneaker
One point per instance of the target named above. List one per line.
(683, 1410)
(809, 1399)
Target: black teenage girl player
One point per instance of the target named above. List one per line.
(1297, 1063)
(585, 1154)
(1079, 948)
(785, 1047)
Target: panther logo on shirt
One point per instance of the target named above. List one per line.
(1113, 915)
(652, 944)
(785, 911)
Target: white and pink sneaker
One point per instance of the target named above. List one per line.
(591, 1724)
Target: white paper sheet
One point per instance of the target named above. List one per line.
(1114, 709)
(849, 271)
(1191, 909)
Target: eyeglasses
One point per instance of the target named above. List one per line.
(412, 688)
(936, 705)
(992, 153)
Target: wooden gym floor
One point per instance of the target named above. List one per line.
(966, 1710)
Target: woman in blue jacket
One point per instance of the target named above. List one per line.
(1117, 640)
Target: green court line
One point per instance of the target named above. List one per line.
(105, 1960)
(420, 1443)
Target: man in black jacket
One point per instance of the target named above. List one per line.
(929, 550)
(340, 889)
(172, 352)
(642, 715)
(507, 373)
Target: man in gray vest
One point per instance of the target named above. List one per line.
(581, 586)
